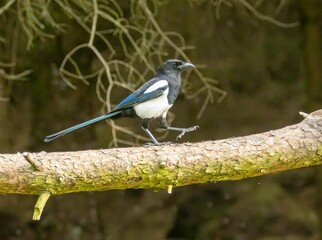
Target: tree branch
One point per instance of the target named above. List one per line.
(174, 165)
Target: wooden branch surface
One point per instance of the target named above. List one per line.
(294, 146)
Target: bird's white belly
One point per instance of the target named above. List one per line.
(154, 108)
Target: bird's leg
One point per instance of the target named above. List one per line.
(155, 141)
(145, 127)
(164, 124)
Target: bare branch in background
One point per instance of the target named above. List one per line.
(142, 43)
(253, 10)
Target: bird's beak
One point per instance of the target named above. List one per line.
(186, 65)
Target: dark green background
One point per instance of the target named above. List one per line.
(270, 73)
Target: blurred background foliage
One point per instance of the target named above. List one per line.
(259, 64)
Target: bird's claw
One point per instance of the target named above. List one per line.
(157, 144)
(185, 130)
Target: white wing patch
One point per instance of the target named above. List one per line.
(158, 84)
(156, 107)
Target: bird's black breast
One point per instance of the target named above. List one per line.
(174, 89)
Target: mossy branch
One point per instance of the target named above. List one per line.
(39, 206)
(167, 167)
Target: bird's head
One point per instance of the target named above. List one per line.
(174, 66)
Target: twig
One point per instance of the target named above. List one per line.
(267, 18)
(303, 114)
(94, 24)
(40, 204)
(6, 6)
(170, 189)
(34, 164)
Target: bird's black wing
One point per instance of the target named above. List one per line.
(139, 97)
(133, 99)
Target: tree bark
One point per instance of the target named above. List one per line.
(168, 166)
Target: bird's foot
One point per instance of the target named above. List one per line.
(185, 130)
(157, 143)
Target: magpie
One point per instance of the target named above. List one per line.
(151, 101)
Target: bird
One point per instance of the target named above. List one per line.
(151, 101)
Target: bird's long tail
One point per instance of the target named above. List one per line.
(81, 125)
